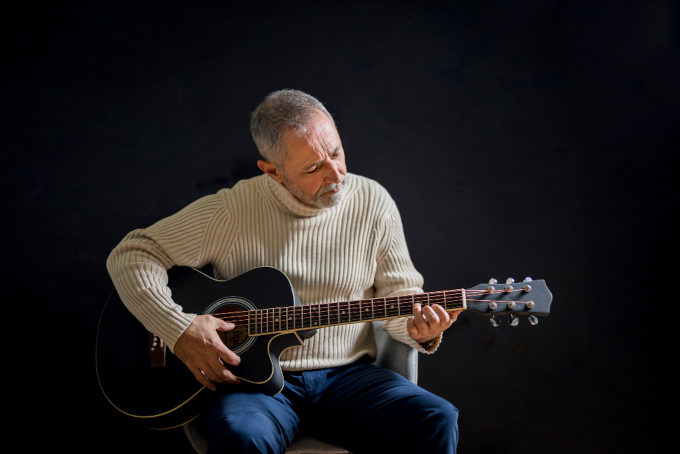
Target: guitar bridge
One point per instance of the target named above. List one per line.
(156, 351)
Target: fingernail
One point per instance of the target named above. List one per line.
(230, 325)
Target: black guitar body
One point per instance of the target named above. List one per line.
(152, 386)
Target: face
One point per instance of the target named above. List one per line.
(314, 167)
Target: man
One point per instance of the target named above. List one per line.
(338, 237)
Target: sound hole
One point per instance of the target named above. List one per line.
(237, 338)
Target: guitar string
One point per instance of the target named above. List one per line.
(323, 312)
(335, 309)
(280, 315)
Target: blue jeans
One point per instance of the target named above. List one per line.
(361, 407)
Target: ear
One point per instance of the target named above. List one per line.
(271, 170)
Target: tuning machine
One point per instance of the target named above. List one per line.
(533, 320)
(514, 319)
(508, 284)
(494, 322)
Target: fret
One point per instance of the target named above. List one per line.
(314, 315)
(380, 311)
(329, 312)
(256, 322)
(358, 316)
(366, 310)
(297, 317)
(343, 312)
(391, 309)
(279, 319)
(270, 320)
(354, 312)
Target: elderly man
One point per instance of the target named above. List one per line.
(338, 237)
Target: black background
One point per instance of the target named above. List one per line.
(518, 138)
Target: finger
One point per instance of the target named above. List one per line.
(431, 316)
(226, 355)
(443, 316)
(202, 379)
(224, 325)
(223, 352)
(454, 314)
(412, 328)
(224, 375)
(419, 317)
(216, 372)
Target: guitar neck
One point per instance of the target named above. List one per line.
(293, 318)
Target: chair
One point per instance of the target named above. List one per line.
(391, 354)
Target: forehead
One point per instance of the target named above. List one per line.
(319, 138)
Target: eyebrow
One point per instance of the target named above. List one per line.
(333, 153)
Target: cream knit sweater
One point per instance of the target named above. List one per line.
(354, 250)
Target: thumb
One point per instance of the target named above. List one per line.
(224, 325)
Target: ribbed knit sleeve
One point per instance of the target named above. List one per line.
(138, 264)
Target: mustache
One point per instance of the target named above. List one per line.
(331, 187)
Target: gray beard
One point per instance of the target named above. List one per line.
(316, 200)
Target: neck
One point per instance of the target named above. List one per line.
(293, 318)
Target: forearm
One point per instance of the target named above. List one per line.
(138, 264)
(138, 269)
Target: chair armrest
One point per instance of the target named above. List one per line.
(394, 355)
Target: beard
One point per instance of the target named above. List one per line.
(319, 199)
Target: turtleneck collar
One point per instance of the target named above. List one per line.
(283, 197)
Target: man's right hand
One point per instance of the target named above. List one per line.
(204, 353)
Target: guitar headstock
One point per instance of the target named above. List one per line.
(529, 297)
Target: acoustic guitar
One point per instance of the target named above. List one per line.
(153, 387)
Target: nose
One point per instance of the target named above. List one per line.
(335, 172)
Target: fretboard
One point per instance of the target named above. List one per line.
(294, 318)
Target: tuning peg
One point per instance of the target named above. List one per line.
(527, 279)
(514, 319)
(493, 322)
(533, 320)
(493, 281)
(508, 284)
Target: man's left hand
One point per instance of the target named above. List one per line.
(428, 322)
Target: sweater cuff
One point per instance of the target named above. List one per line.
(432, 345)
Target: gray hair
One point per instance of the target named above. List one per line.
(280, 111)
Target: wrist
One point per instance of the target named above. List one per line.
(429, 344)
